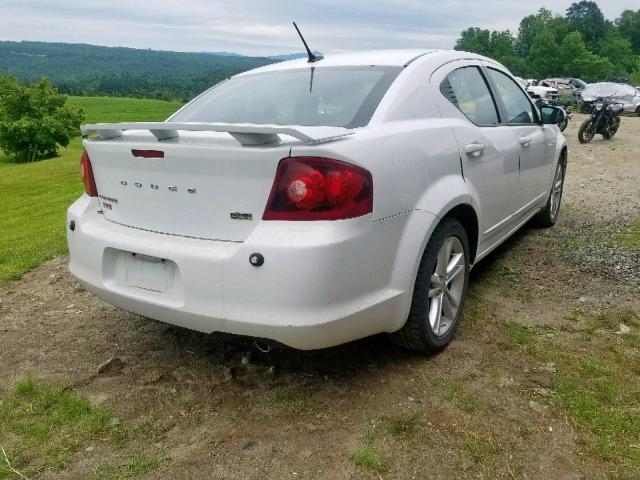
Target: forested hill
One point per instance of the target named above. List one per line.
(82, 69)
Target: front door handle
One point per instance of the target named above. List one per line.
(475, 149)
(525, 141)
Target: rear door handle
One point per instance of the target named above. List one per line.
(525, 141)
(475, 149)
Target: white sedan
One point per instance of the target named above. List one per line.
(312, 204)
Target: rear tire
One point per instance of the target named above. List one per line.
(548, 216)
(439, 291)
(586, 134)
(608, 135)
(638, 111)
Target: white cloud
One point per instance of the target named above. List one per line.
(260, 27)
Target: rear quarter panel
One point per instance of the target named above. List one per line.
(414, 163)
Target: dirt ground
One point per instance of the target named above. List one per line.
(220, 409)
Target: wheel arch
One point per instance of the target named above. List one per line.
(564, 155)
(468, 218)
(453, 197)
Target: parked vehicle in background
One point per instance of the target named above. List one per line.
(567, 87)
(620, 93)
(564, 83)
(314, 203)
(522, 81)
(546, 93)
(605, 120)
(557, 83)
(578, 83)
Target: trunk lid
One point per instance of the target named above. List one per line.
(207, 180)
(207, 185)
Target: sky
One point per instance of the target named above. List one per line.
(255, 27)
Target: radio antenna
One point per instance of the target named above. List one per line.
(312, 58)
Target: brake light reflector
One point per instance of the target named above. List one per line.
(314, 188)
(87, 176)
(147, 153)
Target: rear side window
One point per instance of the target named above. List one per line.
(322, 96)
(467, 89)
(516, 104)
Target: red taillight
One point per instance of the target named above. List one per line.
(312, 188)
(87, 176)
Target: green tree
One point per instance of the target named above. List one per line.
(634, 76)
(629, 27)
(577, 61)
(618, 50)
(503, 49)
(34, 120)
(475, 40)
(532, 25)
(499, 45)
(544, 55)
(587, 18)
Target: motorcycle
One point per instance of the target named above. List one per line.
(605, 120)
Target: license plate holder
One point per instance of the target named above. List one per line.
(146, 272)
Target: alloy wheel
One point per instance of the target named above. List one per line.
(556, 190)
(446, 286)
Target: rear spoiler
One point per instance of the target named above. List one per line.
(245, 133)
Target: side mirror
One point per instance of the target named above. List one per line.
(552, 115)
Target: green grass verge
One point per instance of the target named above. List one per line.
(133, 468)
(42, 425)
(34, 196)
(482, 449)
(597, 383)
(630, 238)
(33, 202)
(368, 456)
(453, 390)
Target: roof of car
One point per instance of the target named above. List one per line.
(369, 57)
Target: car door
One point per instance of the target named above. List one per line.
(536, 141)
(488, 149)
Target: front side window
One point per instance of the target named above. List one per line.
(322, 96)
(467, 89)
(518, 107)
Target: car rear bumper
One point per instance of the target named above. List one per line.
(321, 284)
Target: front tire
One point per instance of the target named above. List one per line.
(439, 291)
(548, 216)
(586, 133)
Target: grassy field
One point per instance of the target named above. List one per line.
(112, 109)
(35, 196)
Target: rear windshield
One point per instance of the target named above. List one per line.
(334, 97)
